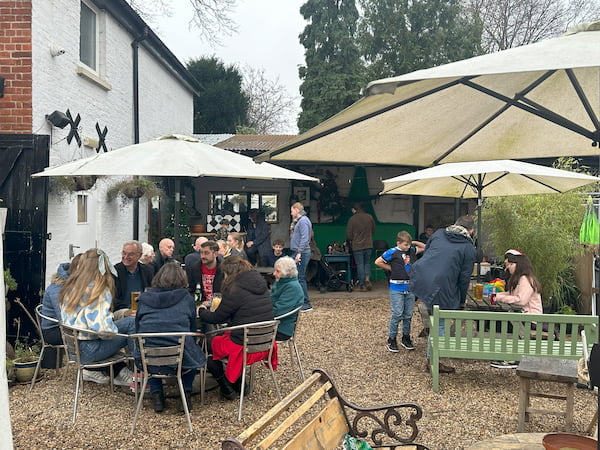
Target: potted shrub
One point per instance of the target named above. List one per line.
(26, 358)
(133, 188)
(67, 184)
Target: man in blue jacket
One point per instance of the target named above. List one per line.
(441, 277)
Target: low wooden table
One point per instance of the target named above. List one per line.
(515, 441)
(546, 369)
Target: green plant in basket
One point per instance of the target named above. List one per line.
(25, 353)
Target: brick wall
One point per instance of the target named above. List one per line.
(15, 66)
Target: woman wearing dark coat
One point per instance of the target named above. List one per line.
(258, 245)
(245, 299)
(168, 307)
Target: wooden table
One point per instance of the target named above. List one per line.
(515, 441)
(546, 369)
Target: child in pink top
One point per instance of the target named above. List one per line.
(522, 288)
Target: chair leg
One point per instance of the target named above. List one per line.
(202, 384)
(37, 369)
(274, 379)
(139, 403)
(242, 389)
(77, 385)
(184, 403)
(292, 344)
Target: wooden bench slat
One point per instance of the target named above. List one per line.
(323, 432)
(293, 418)
(278, 409)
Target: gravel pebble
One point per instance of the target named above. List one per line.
(345, 334)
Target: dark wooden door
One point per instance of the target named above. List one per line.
(26, 222)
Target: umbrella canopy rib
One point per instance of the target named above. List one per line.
(584, 100)
(364, 117)
(538, 110)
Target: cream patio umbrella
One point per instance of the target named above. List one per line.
(536, 101)
(480, 179)
(173, 156)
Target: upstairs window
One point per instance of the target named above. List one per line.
(88, 42)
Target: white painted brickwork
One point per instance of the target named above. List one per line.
(166, 106)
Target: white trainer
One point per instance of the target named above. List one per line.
(96, 376)
(124, 378)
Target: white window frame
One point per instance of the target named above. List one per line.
(96, 75)
(82, 205)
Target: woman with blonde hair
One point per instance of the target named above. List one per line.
(224, 249)
(236, 245)
(85, 301)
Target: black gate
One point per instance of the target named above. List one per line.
(26, 222)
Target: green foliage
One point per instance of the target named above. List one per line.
(27, 353)
(333, 74)
(222, 105)
(9, 281)
(398, 37)
(546, 228)
(133, 188)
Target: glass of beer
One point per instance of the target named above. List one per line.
(216, 301)
(134, 297)
(478, 291)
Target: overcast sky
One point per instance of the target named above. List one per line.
(267, 38)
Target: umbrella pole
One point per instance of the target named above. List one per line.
(176, 214)
(478, 240)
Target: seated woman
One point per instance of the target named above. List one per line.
(50, 306)
(245, 299)
(286, 295)
(85, 302)
(168, 307)
(236, 245)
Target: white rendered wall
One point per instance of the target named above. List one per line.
(165, 107)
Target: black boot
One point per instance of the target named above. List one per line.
(227, 390)
(188, 400)
(158, 401)
(238, 387)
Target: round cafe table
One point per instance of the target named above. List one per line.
(514, 441)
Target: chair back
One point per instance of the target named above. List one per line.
(169, 355)
(295, 313)
(260, 336)
(70, 336)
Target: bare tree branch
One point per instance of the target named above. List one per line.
(271, 107)
(211, 18)
(511, 23)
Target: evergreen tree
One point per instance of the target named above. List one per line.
(222, 105)
(398, 37)
(333, 74)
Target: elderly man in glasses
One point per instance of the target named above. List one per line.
(133, 277)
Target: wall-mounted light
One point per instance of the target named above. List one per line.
(58, 119)
(55, 51)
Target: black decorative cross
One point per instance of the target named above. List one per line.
(73, 133)
(101, 138)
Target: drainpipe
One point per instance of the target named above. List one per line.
(136, 120)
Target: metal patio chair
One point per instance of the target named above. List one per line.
(292, 340)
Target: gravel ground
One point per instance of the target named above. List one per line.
(345, 335)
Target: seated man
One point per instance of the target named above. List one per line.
(164, 255)
(132, 276)
(193, 257)
(206, 274)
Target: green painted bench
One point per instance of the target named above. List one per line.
(468, 343)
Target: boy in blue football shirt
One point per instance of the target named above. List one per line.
(398, 260)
